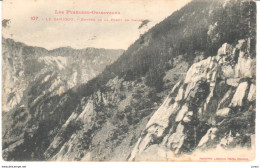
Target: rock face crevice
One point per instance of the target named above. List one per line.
(214, 106)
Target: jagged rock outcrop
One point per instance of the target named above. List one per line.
(214, 106)
(120, 112)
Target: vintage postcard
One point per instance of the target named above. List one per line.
(129, 80)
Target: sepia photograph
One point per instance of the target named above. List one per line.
(128, 81)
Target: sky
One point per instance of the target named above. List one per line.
(79, 34)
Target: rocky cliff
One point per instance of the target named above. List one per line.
(213, 107)
(32, 75)
(185, 86)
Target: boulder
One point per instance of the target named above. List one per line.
(176, 140)
(225, 49)
(181, 113)
(208, 138)
(88, 113)
(179, 96)
(239, 95)
(245, 68)
(233, 81)
(223, 112)
(227, 71)
(252, 93)
(202, 70)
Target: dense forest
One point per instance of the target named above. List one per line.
(201, 27)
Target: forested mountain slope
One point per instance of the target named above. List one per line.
(180, 79)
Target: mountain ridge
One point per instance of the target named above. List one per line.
(106, 118)
(24, 64)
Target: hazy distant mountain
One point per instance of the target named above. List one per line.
(186, 85)
(48, 72)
